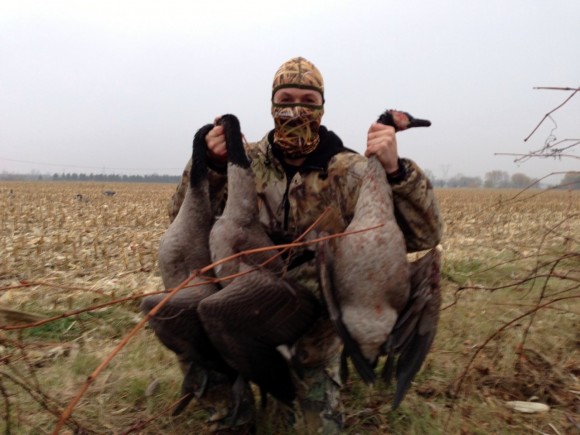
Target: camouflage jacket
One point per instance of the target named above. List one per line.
(330, 177)
(290, 201)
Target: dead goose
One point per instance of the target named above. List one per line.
(372, 293)
(184, 248)
(192, 224)
(238, 228)
(259, 311)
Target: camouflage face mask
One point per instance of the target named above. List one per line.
(296, 128)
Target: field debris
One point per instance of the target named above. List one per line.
(527, 407)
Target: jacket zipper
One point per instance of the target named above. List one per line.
(286, 203)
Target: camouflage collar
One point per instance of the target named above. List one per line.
(330, 145)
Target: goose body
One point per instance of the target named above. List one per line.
(379, 258)
(380, 303)
(238, 228)
(258, 311)
(369, 272)
(184, 248)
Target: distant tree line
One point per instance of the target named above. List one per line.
(571, 181)
(502, 180)
(152, 178)
(494, 179)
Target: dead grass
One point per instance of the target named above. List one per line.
(509, 330)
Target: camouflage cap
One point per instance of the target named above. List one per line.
(298, 73)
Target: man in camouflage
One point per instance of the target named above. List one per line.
(301, 169)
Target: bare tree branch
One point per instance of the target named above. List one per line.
(528, 155)
(553, 110)
(556, 88)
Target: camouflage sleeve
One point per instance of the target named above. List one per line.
(217, 187)
(416, 209)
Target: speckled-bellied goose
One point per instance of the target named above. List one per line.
(184, 248)
(259, 311)
(378, 302)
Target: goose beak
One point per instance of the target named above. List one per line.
(416, 122)
(402, 120)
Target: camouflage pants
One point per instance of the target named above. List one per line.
(219, 404)
(318, 408)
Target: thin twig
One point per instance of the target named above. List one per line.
(538, 181)
(524, 257)
(540, 299)
(498, 332)
(571, 156)
(26, 283)
(6, 407)
(69, 409)
(31, 371)
(513, 199)
(556, 88)
(552, 111)
(41, 398)
(142, 424)
(186, 282)
(303, 235)
(76, 312)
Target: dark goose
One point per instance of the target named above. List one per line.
(379, 303)
(259, 311)
(184, 248)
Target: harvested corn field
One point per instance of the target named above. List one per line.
(76, 257)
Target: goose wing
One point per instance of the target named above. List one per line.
(253, 315)
(351, 347)
(416, 327)
(178, 326)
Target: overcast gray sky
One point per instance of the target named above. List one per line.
(121, 86)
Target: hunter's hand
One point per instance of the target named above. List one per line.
(216, 144)
(382, 142)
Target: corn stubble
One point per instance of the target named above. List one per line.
(508, 330)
